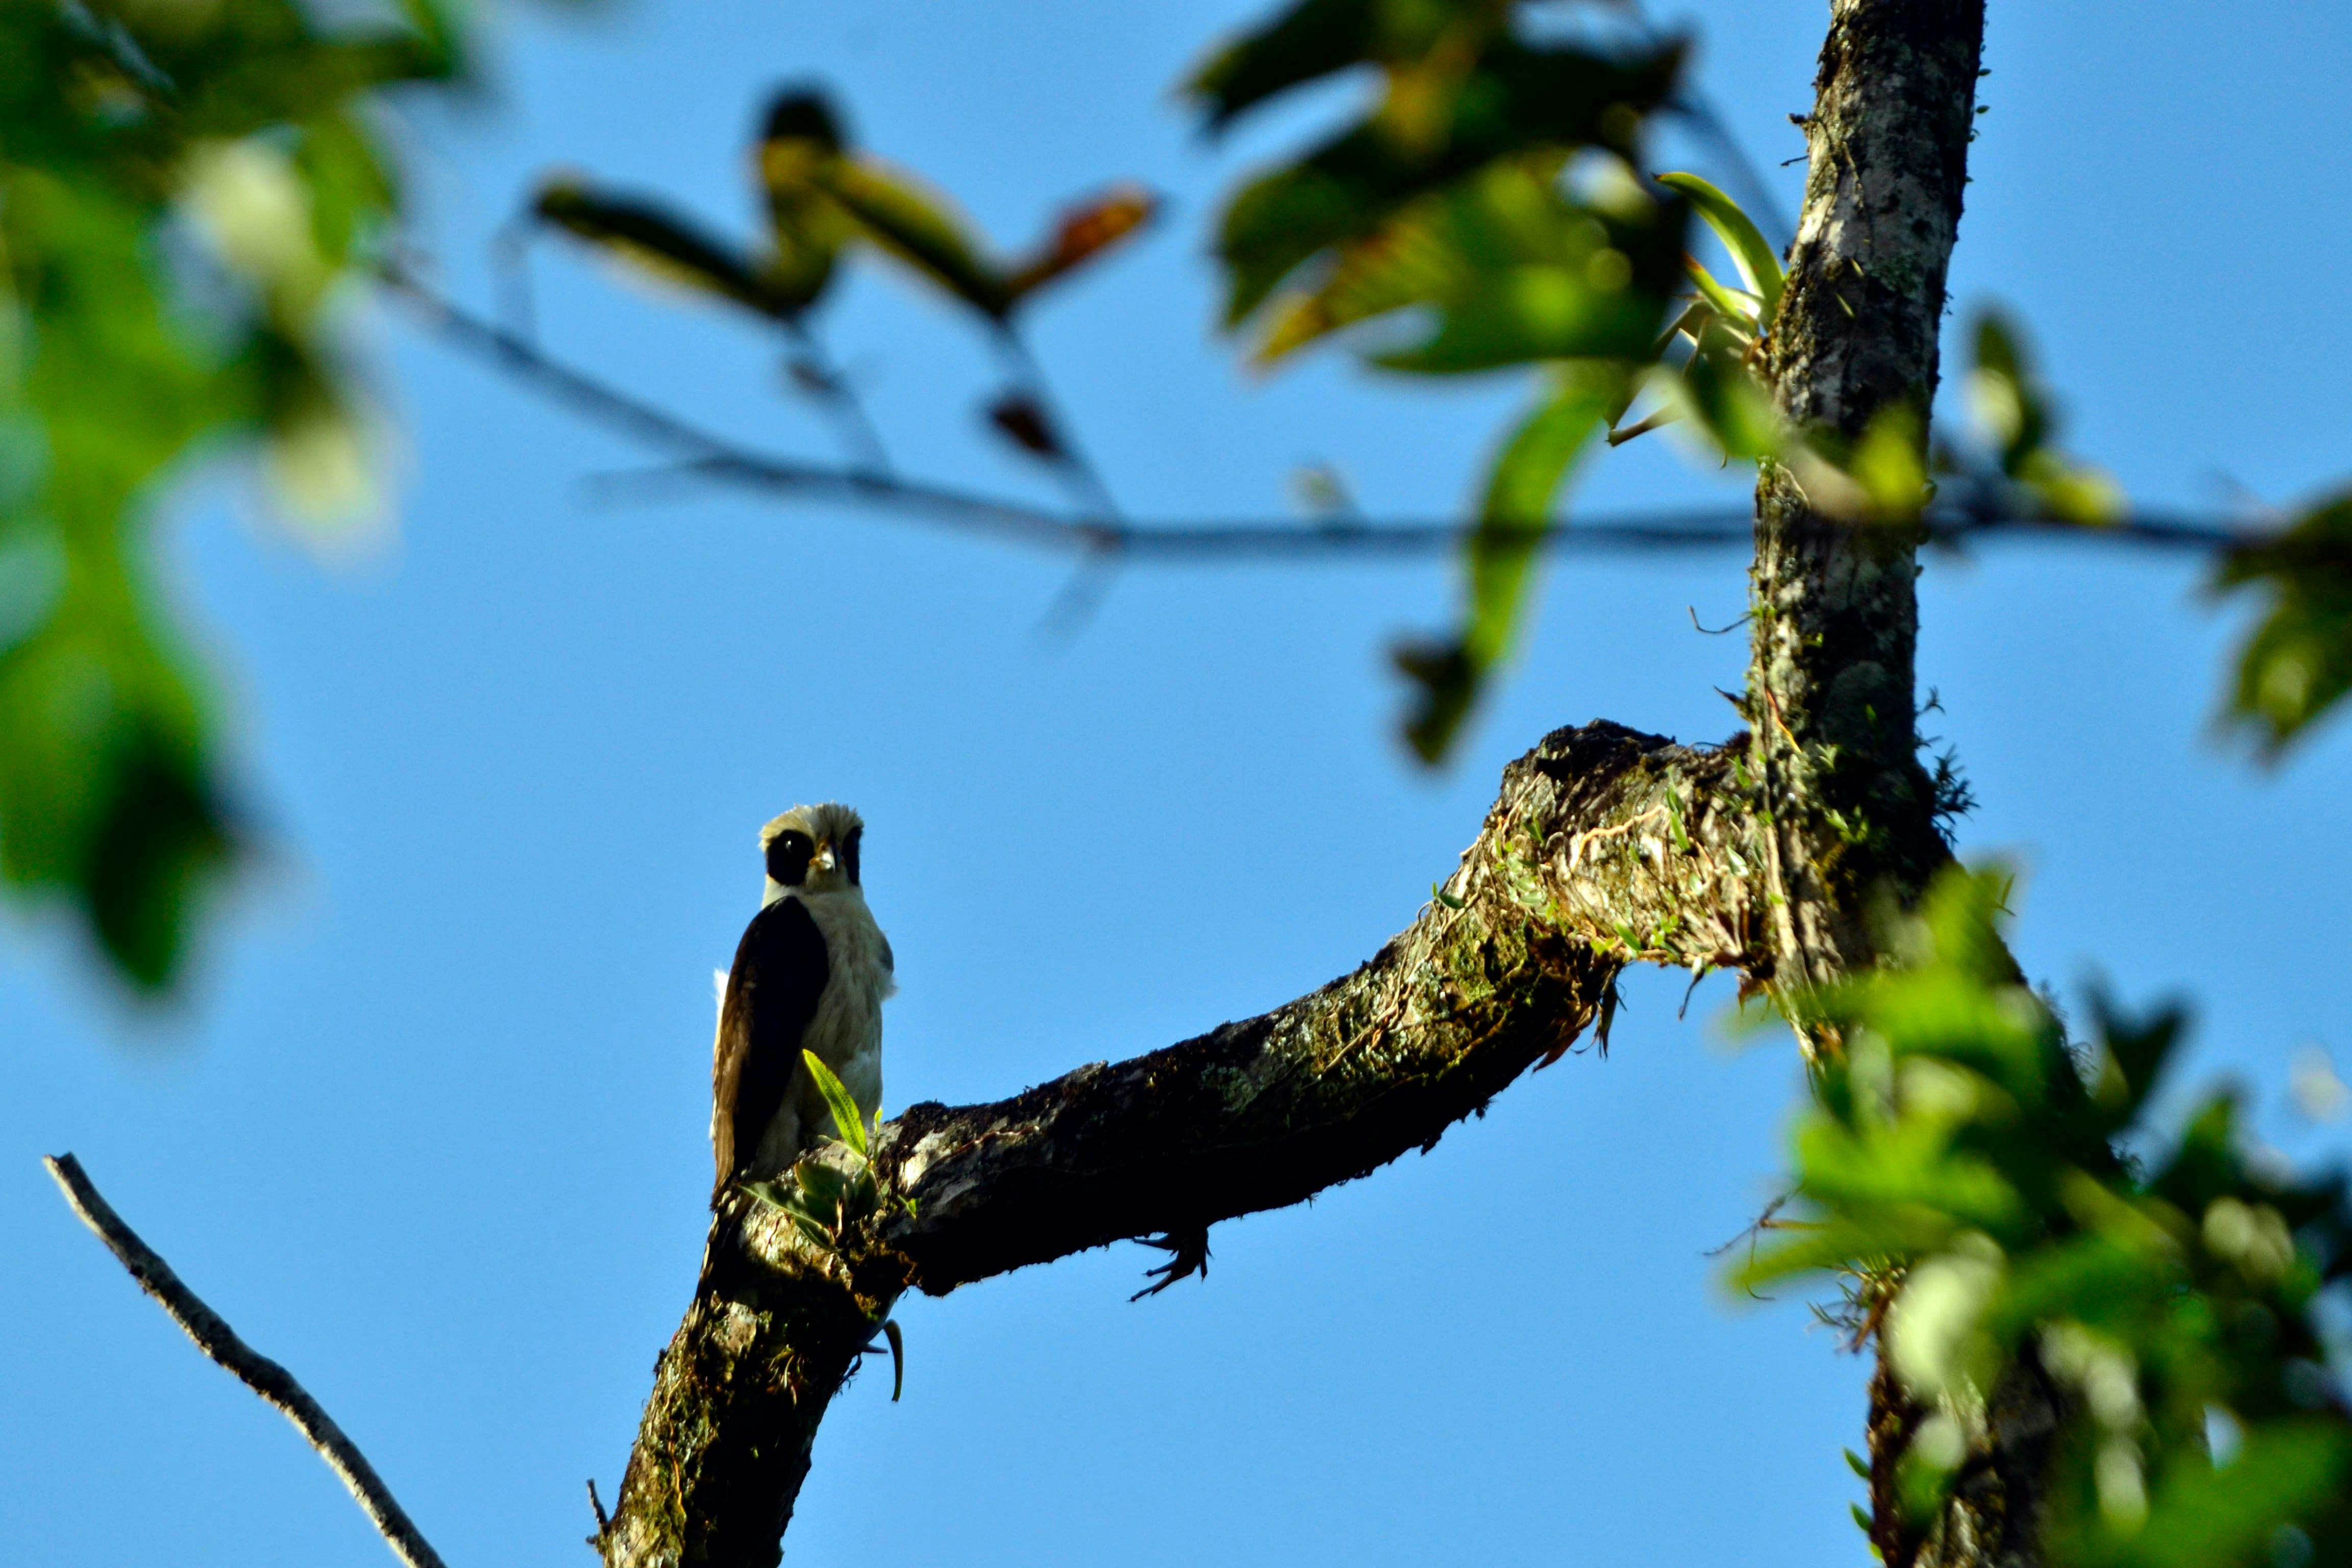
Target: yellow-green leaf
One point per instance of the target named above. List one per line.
(1732, 306)
(920, 229)
(1758, 264)
(847, 1120)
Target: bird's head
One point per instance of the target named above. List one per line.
(813, 848)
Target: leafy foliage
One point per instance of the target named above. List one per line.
(2298, 664)
(1487, 196)
(182, 190)
(823, 198)
(1528, 474)
(2021, 470)
(1970, 1165)
(833, 1186)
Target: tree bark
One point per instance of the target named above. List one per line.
(1831, 694)
(1606, 846)
(1847, 815)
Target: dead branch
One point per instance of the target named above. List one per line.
(220, 1344)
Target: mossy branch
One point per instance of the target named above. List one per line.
(1606, 846)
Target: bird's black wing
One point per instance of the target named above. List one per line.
(771, 993)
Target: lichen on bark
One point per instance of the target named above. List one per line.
(1831, 681)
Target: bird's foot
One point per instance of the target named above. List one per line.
(1187, 1254)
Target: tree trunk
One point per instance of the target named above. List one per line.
(1830, 693)
(1847, 819)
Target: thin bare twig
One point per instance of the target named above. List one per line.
(258, 1371)
(704, 456)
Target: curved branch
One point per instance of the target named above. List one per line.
(1606, 847)
(258, 1371)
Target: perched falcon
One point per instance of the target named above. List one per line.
(810, 974)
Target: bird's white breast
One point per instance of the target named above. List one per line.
(846, 1032)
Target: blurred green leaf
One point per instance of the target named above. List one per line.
(1509, 269)
(1725, 399)
(664, 246)
(1528, 313)
(2008, 400)
(2204, 1517)
(1312, 41)
(2296, 665)
(1890, 464)
(1962, 1158)
(822, 197)
(2016, 418)
(182, 189)
(921, 230)
(1515, 98)
(1500, 554)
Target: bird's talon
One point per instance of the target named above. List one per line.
(1187, 1254)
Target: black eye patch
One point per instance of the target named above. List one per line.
(849, 848)
(789, 854)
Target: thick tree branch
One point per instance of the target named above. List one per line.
(1606, 847)
(258, 1371)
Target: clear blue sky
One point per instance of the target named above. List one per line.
(431, 1128)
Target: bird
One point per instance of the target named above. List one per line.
(811, 973)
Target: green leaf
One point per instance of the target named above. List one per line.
(2296, 665)
(1890, 464)
(1514, 100)
(1499, 555)
(239, 141)
(1758, 263)
(919, 228)
(1735, 308)
(1535, 314)
(2286, 1471)
(769, 1193)
(662, 245)
(2133, 1056)
(847, 1120)
(801, 141)
(1310, 40)
(1717, 389)
(2010, 405)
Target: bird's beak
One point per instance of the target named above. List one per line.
(824, 861)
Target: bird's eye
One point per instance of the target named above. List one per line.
(789, 854)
